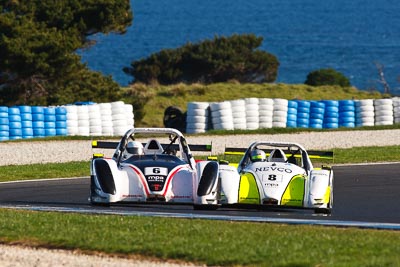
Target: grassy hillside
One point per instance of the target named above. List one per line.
(179, 95)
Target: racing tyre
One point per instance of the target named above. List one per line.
(322, 211)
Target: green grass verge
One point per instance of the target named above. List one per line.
(203, 241)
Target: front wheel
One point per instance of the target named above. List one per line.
(323, 211)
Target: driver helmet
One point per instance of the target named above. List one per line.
(135, 148)
(257, 155)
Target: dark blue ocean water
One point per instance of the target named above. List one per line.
(305, 35)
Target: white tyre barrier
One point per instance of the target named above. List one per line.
(239, 114)
(221, 115)
(384, 111)
(365, 114)
(197, 117)
(252, 113)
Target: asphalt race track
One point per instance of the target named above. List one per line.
(367, 194)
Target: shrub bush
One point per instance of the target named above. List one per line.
(327, 77)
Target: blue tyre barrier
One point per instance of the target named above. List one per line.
(26, 116)
(27, 132)
(331, 103)
(25, 109)
(49, 124)
(12, 118)
(61, 124)
(332, 109)
(3, 114)
(15, 125)
(347, 119)
(37, 116)
(303, 103)
(15, 132)
(61, 117)
(347, 116)
(4, 109)
(13, 111)
(348, 124)
(303, 115)
(50, 117)
(61, 111)
(4, 121)
(293, 104)
(37, 110)
(331, 119)
(303, 110)
(26, 124)
(317, 116)
(38, 132)
(4, 133)
(61, 131)
(316, 125)
(4, 127)
(331, 125)
(49, 111)
(38, 124)
(50, 131)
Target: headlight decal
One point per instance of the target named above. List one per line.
(294, 192)
(248, 189)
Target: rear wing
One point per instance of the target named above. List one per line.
(113, 145)
(312, 154)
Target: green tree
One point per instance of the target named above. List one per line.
(38, 44)
(218, 60)
(327, 77)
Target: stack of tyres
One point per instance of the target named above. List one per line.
(347, 113)
(303, 113)
(72, 120)
(292, 114)
(61, 121)
(83, 120)
(120, 125)
(221, 115)
(197, 117)
(252, 113)
(280, 113)
(106, 119)
(94, 120)
(365, 114)
(383, 111)
(239, 114)
(266, 112)
(14, 117)
(396, 109)
(331, 114)
(50, 121)
(4, 124)
(129, 115)
(26, 121)
(317, 111)
(38, 121)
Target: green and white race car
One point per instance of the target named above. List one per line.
(270, 174)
